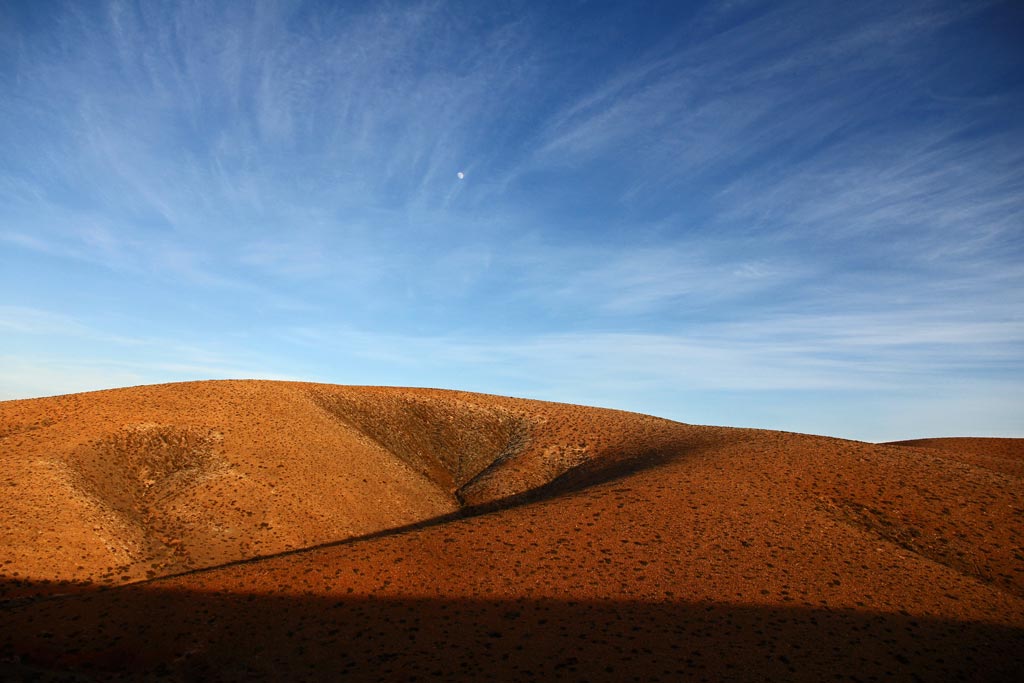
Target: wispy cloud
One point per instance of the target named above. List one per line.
(57, 353)
(27, 320)
(685, 277)
(793, 84)
(863, 352)
(940, 193)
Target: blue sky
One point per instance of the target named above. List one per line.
(802, 216)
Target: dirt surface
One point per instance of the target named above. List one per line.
(998, 455)
(464, 536)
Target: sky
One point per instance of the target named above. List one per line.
(802, 216)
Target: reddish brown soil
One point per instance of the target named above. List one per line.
(998, 455)
(538, 542)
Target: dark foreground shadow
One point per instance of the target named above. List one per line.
(143, 632)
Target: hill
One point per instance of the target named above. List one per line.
(116, 486)
(319, 531)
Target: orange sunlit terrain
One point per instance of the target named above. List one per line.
(237, 530)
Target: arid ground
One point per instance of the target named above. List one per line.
(241, 530)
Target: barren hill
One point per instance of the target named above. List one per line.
(117, 486)
(466, 536)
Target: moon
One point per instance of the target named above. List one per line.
(461, 175)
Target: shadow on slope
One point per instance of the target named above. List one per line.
(487, 454)
(142, 474)
(137, 632)
(448, 441)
